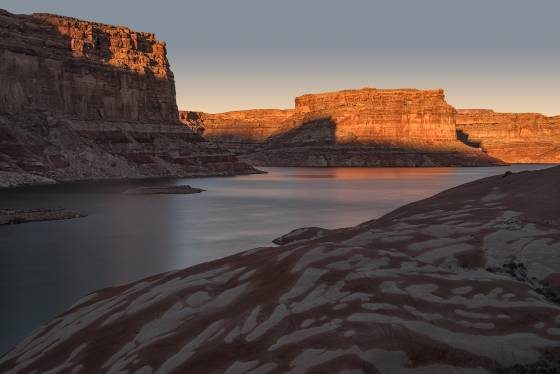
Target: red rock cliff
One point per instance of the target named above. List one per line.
(85, 100)
(367, 127)
(370, 115)
(513, 137)
(240, 131)
(84, 70)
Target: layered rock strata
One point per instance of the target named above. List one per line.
(240, 131)
(463, 282)
(83, 100)
(367, 127)
(512, 137)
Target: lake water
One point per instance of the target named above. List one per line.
(46, 266)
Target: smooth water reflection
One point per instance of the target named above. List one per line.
(46, 266)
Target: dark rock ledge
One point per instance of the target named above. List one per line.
(16, 216)
(163, 190)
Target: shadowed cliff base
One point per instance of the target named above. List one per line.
(82, 100)
(365, 156)
(317, 143)
(466, 281)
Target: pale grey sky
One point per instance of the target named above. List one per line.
(226, 55)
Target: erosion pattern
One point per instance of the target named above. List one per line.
(85, 100)
(513, 137)
(367, 127)
(458, 283)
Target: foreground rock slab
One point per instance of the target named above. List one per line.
(163, 190)
(462, 282)
(14, 216)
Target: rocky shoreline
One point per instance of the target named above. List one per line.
(365, 156)
(15, 216)
(466, 281)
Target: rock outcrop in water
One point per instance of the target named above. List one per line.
(462, 282)
(15, 216)
(83, 100)
(164, 190)
(512, 137)
(367, 127)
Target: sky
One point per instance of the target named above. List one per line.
(242, 54)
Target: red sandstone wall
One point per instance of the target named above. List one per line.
(82, 100)
(248, 126)
(513, 137)
(83, 70)
(371, 115)
(363, 116)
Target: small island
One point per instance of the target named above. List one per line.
(16, 216)
(163, 190)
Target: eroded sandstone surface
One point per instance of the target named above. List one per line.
(366, 127)
(512, 137)
(462, 282)
(83, 100)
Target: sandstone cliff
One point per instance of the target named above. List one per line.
(512, 137)
(373, 115)
(82, 100)
(367, 127)
(240, 131)
(463, 282)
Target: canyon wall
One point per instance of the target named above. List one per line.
(373, 115)
(82, 100)
(240, 131)
(512, 137)
(366, 127)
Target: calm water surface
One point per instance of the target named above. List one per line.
(46, 266)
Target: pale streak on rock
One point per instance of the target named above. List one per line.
(305, 282)
(521, 344)
(181, 357)
(277, 315)
(301, 335)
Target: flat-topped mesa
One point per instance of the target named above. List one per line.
(512, 137)
(85, 100)
(365, 127)
(370, 115)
